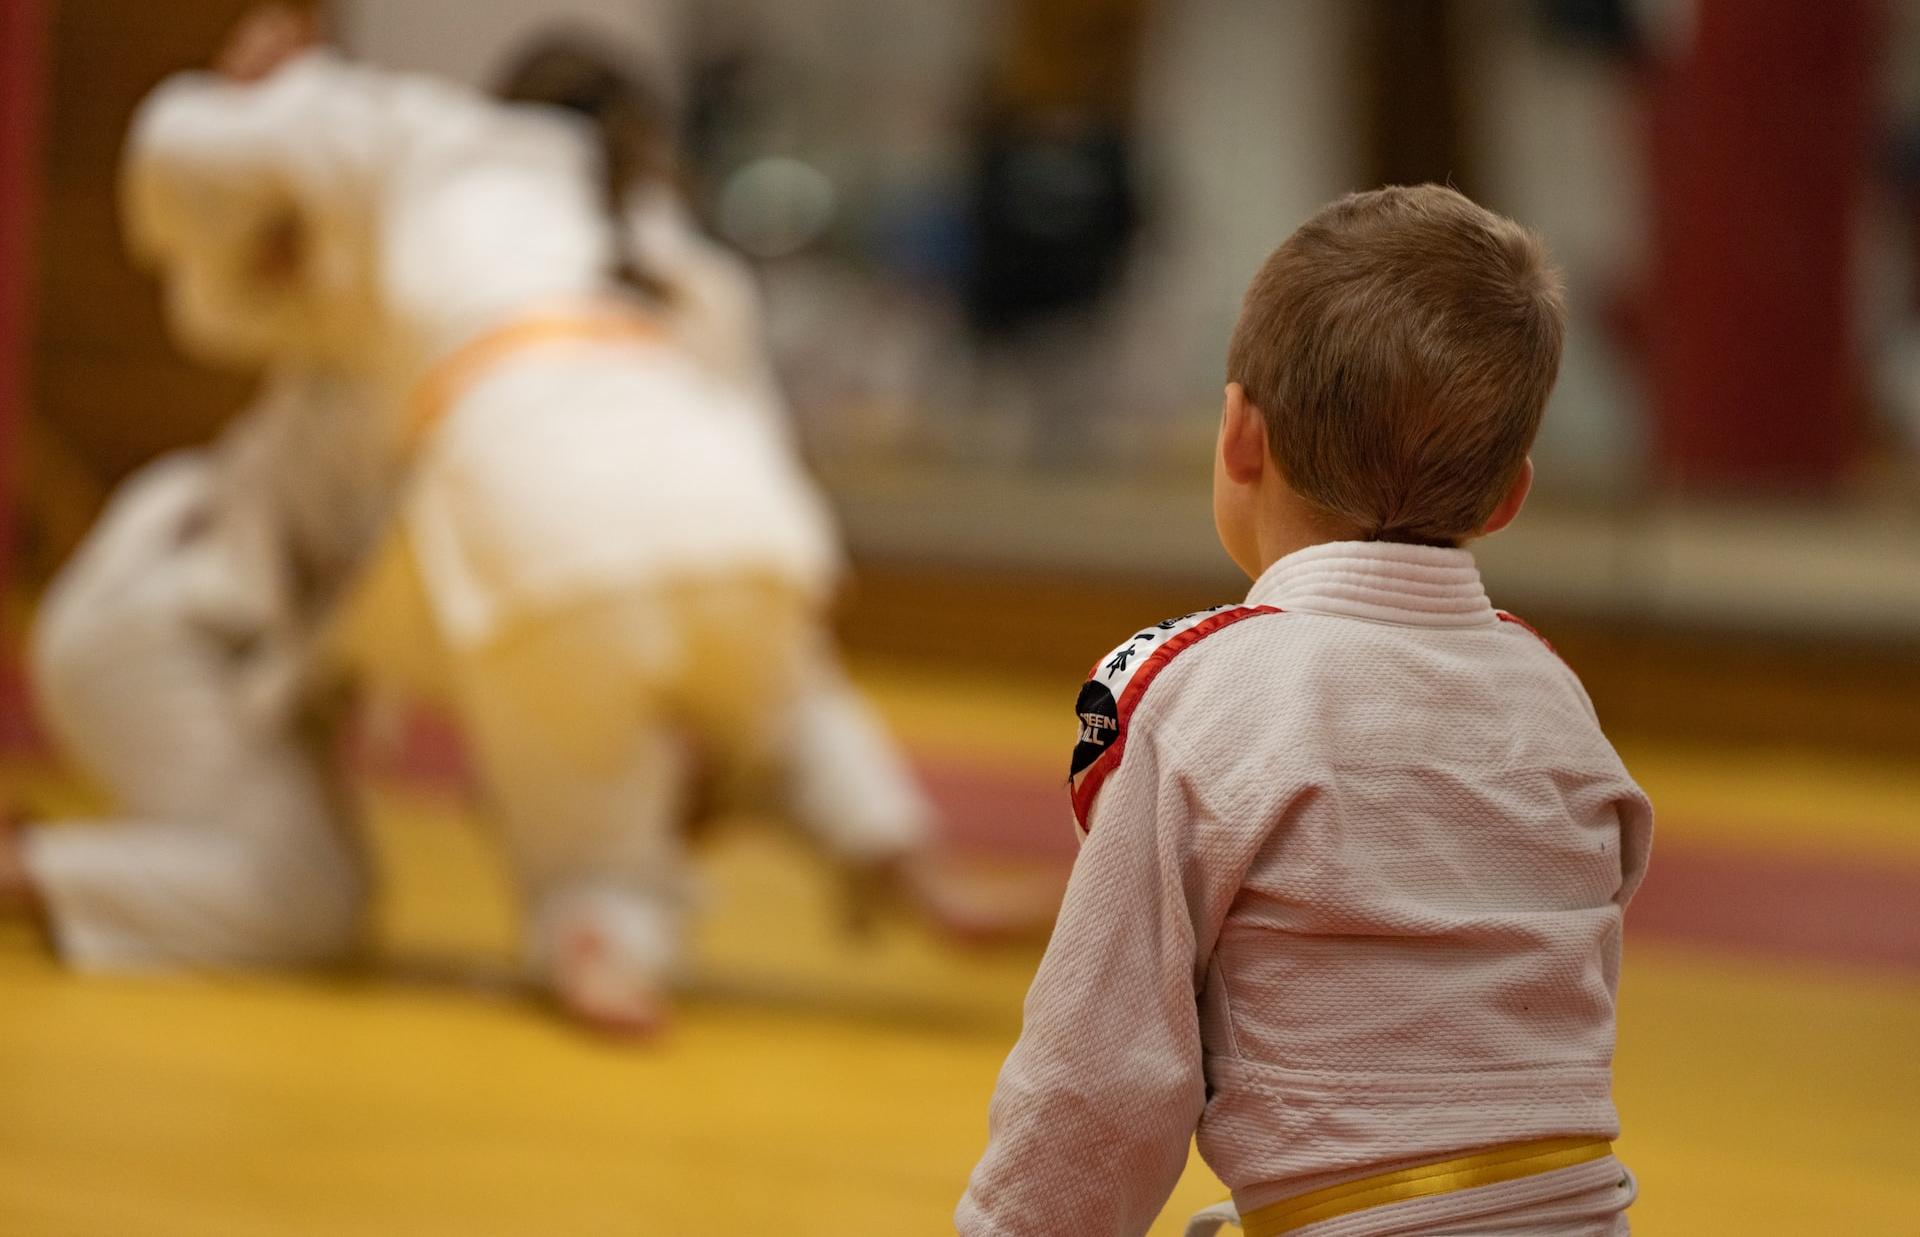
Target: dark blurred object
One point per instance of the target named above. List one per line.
(631, 116)
(107, 388)
(1603, 25)
(1052, 220)
(1900, 165)
(1761, 129)
(1412, 104)
(719, 82)
(1054, 206)
(745, 170)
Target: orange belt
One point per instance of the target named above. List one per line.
(1508, 1163)
(592, 322)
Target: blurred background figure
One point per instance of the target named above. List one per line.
(994, 246)
(161, 657)
(608, 627)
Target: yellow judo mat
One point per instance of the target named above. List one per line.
(814, 1084)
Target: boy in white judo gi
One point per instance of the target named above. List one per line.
(605, 556)
(1356, 851)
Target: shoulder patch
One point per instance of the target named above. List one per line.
(1117, 682)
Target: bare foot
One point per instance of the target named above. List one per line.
(266, 38)
(598, 989)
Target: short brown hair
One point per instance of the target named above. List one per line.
(1401, 346)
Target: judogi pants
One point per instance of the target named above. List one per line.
(228, 845)
(592, 723)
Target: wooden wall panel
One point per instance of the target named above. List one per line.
(107, 389)
(22, 80)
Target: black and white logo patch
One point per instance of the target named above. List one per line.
(1113, 691)
(1099, 703)
(1099, 712)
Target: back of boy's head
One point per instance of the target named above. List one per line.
(1401, 346)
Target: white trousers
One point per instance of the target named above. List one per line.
(228, 845)
(593, 727)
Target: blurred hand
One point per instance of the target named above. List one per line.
(266, 38)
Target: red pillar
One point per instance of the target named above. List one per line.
(1760, 145)
(22, 70)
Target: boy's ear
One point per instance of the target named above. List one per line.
(1243, 437)
(1512, 500)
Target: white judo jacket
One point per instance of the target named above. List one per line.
(1350, 899)
(430, 217)
(596, 541)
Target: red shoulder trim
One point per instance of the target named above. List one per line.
(1521, 623)
(1087, 785)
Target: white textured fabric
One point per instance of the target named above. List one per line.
(564, 474)
(593, 727)
(228, 844)
(1350, 901)
(423, 212)
(1212, 1220)
(572, 472)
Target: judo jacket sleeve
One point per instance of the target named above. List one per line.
(1096, 1105)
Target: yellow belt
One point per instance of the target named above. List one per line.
(1509, 1163)
(593, 321)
